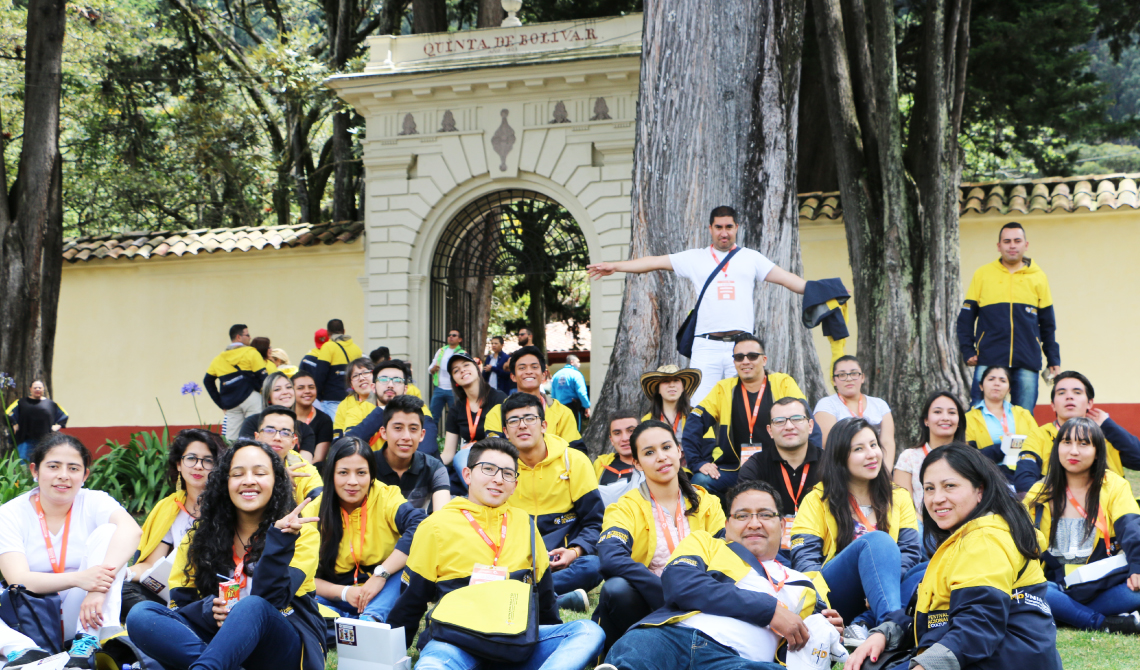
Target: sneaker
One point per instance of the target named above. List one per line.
(855, 634)
(606, 666)
(1128, 624)
(82, 652)
(25, 656)
(575, 601)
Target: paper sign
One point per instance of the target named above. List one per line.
(1011, 447)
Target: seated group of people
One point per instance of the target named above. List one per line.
(735, 533)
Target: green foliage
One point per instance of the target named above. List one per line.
(15, 478)
(1106, 158)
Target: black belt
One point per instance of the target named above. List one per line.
(723, 338)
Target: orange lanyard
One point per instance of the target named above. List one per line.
(753, 414)
(717, 261)
(183, 508)
(926, 450)
(56, 567)
(472, 424)
(859, 515)
(312, 415)
(1004, 425)
(788, 483)
(775, 587)
(676, 420)
(678, 519)
(363, 525)
(614, 470)
(862, 406)
(483, 534)
(1101, 518)
(239, 575)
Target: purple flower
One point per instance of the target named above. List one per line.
(191, 388)
(7, 381)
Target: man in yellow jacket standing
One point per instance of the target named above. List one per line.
(241, 371)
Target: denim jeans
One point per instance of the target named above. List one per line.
(255, 636)
(440, 399)
(330, 406)
(910, 582)
(1022, 387)
(568, 646)
(717, 487)
(869, 569)
(620, 607)
(24, 449)
(1090, 616)
(583, 574)
(677, 648)
(378, 608)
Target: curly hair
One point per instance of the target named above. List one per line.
(330, 524)
(184, 439)
(211, 548)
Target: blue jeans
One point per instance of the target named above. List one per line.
(1022, 387)
(24, 449)
(378, 608)
(255, 636)
(440, 398)
(584, 573)
(677, 648)
(869, 569)
(457, 464)
(717, 487)
(568, 646)
(1090, 616)
(910, 582)
(329, 407)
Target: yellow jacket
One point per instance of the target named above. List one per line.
(979, 434)
(158, 523)
(1123, 449)
(560, 421)
(304, 487)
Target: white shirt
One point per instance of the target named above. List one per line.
(755, 643)
(177, 531)
(20, 528)
(728, 304)
(874, 410)
(911, 461)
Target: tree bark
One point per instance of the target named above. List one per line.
(31, 217)
(490, 14)
(900, 202)
(429, 16)
(716, 125)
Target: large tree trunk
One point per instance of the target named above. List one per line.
(900, 205)
(490, 14)
(31, 218)
(716, 125)
(429, 16)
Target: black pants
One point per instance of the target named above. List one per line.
(619, 608)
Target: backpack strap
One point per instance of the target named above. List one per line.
(708, 281)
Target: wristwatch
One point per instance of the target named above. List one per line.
(381, 572)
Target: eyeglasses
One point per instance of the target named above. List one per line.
(490, 469)
(270, 432)
(752, 356)
(528, 419)
(844, 376)
(389, 380)
(190, 460)
(361, 376)
(763, 515)
(796, 419)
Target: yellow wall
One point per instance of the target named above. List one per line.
(1090, 259)
(131, 330)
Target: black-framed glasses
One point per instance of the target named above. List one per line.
(844, 376)
(763, 515)
(490, 469)
(528, 419)
(751, 355)
(361, 376)
(389, 380)
(190, 461)
(283, 432)
(796, 419)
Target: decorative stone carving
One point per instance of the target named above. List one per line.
(601, 110)
(410, 125)
(503, 140)
(560, 114)
(448, 123)
(511, 7)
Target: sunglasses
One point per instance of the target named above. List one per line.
(752, 356)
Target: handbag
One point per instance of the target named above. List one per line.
(490, 620)
(36, 616)
(687, 333)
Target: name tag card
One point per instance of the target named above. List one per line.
(749, 450)
(487, 573)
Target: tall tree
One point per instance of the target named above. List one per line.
(899, 191)
(31, 215)
(716, 125)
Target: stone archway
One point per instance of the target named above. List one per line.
(547, 108)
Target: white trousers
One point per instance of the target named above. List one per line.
(714, 360)
(234, 417)
(71, 599)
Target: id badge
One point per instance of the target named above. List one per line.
(786, 541)
(488, 573)
(749, 450)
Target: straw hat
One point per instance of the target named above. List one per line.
(690, 378)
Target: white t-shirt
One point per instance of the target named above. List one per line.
(911, 461)
(728, 304)
(873, 411)
(20, 528)
(755, 643)
(445, 354)
(177, 531)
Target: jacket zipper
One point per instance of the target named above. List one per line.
(1011, 338)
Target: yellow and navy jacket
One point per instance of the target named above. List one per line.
(561, 493)
(629, 538)
(1014, 318)
(714, 415)
(702, 577)
(309, 362)
(283, 576)
(350, 412)
(446, 548)
(604, 460)
(304, 487)
(158, 524)
(815, 532)
(392, 522)
(981, 602)
(241, 370)
(1123, 516)
(978, 433)
(368, 429)
(560, 422)
(1123, 450)
(332, 361)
